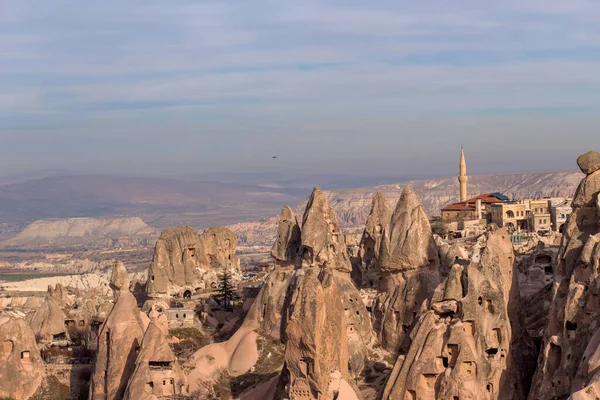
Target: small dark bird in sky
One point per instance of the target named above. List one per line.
(274, 156)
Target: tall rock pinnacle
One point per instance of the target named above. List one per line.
(409, 271)
(570, 352)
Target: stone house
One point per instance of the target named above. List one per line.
(559, 212)
(533, 215)
(476, 208)
(180, 317)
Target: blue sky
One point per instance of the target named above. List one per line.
(149, 87)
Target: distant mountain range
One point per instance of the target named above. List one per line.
(353, 205)
(163, 202)
(160, 202)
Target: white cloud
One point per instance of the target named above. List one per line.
(185, 63)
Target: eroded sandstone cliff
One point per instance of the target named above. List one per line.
(410, 271)
(119, 341)
(470, 342)
(21, 366)
(187, 261)
(570, 353)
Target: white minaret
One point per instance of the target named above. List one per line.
(462, 177)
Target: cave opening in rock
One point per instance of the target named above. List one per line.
(554, 358)
(159, 365)
(491, 352)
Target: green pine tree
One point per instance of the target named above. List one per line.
(226, 292)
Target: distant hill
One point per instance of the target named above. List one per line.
(161, 202)
(86, 233)
(200, 204)
(353, 205)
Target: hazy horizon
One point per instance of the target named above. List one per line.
(267, 178)
(383, 89)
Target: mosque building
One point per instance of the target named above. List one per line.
(527, 215)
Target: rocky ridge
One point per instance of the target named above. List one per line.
(470, 342)
(569, 355)
(83, 232)
(353, 205)
(187, 261)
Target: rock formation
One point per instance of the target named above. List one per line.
(589, 162)
(535, 269)
(219, 247)
(316, 309)
(185, 261)
(324, 248)
(570, 351)
(470, 342)
(536, 278)
(353, 205)
(316, 340)
(236, 356)
(119, 278)
(288, 244)
(322, 240)
(119, 341)
(409, 243)
(48, 322)
(60, 294)
(21, 367)
(86, 282)
(410, 265)
(270, 309)
(157, 372)
(378, 221)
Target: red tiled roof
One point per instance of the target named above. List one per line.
(469, 205)
(459, 207)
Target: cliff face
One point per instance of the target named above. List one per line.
(570, 353)
(470, 343)
(287, 248)
(185, 260)
(324, 247)
(118, 342)
(316, 345)
(156, 364)
(410, 263)
(377, 223)
(21, 366)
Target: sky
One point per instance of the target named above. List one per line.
(355, 87)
